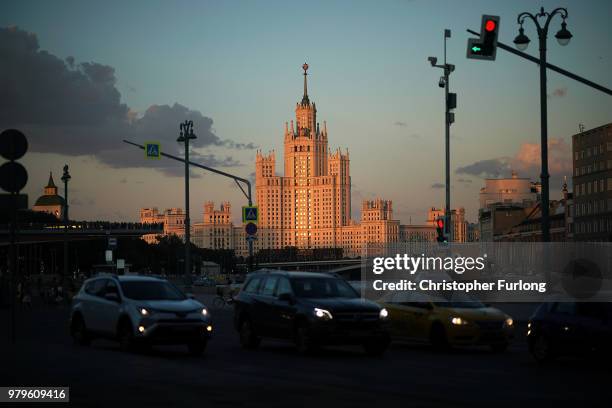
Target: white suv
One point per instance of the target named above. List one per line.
(138, 310)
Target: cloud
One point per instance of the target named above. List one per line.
(437, 185)
(462, 180)
(486, 168)
(74, 108)
(400, 124)
(558, 93)
(526, 162)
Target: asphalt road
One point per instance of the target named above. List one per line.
(275, 375)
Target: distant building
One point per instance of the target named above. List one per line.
(509, 191)
(50, 202)
(473, 232)
(458, 222)
(504, 203)
(418, 233)
(529, 228)
(592, 180)
(217, 230)
(172, 218)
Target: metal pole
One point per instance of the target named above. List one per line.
(447, 213)
(187, 221)
(13, 266)
(65, 227)
(250, 241)
(544, 176)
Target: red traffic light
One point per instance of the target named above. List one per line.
(440, 223)
(490, 25)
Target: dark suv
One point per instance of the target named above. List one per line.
(312, 309)
(570, 328)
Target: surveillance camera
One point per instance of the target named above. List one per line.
(432, 60)
(442, 82)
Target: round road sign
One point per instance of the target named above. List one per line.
(13, 177)
(250, 228)
(13, 144)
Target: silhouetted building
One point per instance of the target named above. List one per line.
(50, 202)
(592, 180)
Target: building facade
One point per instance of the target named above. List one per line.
(172, 218)
(592, 181)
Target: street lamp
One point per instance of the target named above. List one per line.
(65, 178)
(521, 41)
(186, 134)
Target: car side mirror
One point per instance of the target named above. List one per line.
(286, 297)
(112, 296)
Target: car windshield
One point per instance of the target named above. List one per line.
(317, 288)
(151, 290)
(473, 304)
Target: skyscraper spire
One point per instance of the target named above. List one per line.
(305, 100)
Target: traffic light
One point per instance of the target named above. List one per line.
(485, 47)
(440, 230)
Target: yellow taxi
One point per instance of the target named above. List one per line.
(444, 322)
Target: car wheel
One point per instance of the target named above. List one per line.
(125, 336)
(79, 332)
(304, 342)
(499, 347)
(376, 348)
(248, 338)
(437, 337)
(541, 349)
(196, 348)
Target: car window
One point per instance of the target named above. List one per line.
(317, 288)
(111, 287)
(283, 287)
(151, 290)
(96, 287)
(253, 285)
(269, 286)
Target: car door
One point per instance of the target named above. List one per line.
(109, 309)
(267, 308)
(284, 310)
(419, 310)
(95, 305)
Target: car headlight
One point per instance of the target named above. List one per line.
(322, 313)
(459, 321)
(204, 312)
(508, 322)
(144, 312)
(384, 313)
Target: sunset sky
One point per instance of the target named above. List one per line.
(78, 77)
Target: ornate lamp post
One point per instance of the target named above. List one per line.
(65, 178)
(186, 135)
(521, 41)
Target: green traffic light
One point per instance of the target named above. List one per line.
(476, 49)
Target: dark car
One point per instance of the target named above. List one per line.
(570, 328)
(312, 309)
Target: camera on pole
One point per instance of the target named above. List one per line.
(485, 47)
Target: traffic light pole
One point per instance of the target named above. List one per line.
(237, 179)
(447, 213)
(552, 67)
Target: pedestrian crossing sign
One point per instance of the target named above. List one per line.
(250, 213)
(152, 150)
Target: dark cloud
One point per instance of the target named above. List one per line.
(74, 108)
(486, 168)
(400, 124)
(437, 185)
(462, 180)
